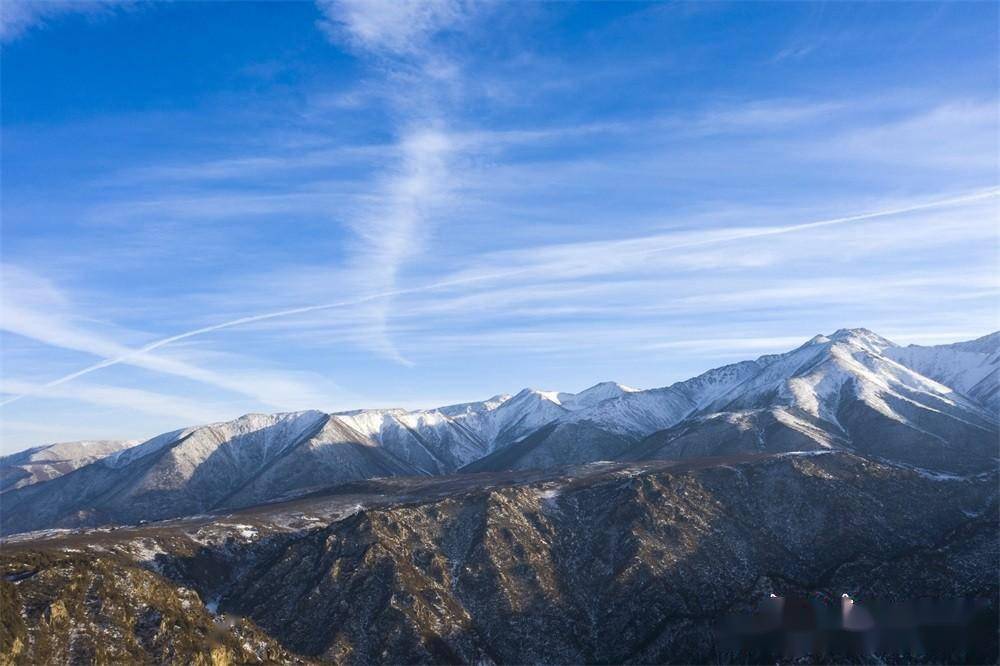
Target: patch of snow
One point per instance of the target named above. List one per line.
(548, 497)
(937, 476)
(805, 453)
(145, 551)
(247, 532)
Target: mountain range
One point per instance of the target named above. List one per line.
(613, 525)
(931, 407)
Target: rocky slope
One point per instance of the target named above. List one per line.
(60, 606)
(611, 563)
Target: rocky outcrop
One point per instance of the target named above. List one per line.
(63, 607)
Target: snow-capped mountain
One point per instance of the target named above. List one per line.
(639, 413)
(930, 407)
(260, 457)
(594, 395)
(839, 391)
(257, 457)
(428, 441)
(972, 368)
(444, 439)
(42, 463)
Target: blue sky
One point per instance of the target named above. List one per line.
(448, 200)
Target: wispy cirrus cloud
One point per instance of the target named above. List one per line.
(18, 17)
(34, 308)
(391, 28)
(565, 262)
(418, 78)
(391, 231)
(140, 400)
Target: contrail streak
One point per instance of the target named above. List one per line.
(444, 284)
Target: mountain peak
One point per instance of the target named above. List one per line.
(609, 386)
(845, 333)
(551, 396)
(594, 395)
(818, 339)
(862, 337)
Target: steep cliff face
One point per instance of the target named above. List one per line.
(631, 563)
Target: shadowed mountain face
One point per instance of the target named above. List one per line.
(253, 459)
(556, 444)
(852, 390)
(603, 564)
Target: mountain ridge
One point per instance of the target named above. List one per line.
(851, 389)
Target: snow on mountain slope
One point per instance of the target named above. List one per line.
(842, 390)
(838, 391)
(182, 472)
(331, 454)
(426, 440)
(441, 440)
(444, 439)
(525, 412)
(594, 395)
(813, 377)
(988, 344)
(42, 463)
(639, 413)
(556, 444)
(256, 456)
(852, 389)
(467, 409)
(126, 456)
(972, 368)
(452, 436)
(214, 460)
(729, 433)
(604, 422)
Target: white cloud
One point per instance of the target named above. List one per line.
(147, 402)
(34, 308)
(419, 84)
(960, 135)
(396, 27)
(17, 17)
(565, 262)
(392, 231)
